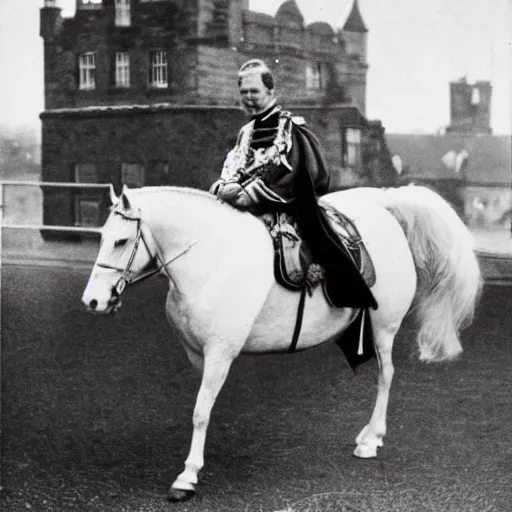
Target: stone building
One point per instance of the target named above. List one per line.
(143, 92)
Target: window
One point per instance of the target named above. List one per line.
(122, 69)
(315, 75)
(87, 211)
(158, 69)
(133, 175)
(122, 13)
(87, 71)
(86, 173)
(89, 4)
(159, 169)
(312, 76)
(87, 204)
(352, 148)
(475, 96)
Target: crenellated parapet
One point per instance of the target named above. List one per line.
(286, 32)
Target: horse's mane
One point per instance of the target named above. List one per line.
(171, 188)
(183, 191)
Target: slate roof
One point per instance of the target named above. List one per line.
(489, 156)
(354, 22)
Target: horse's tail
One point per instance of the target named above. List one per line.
(449, 278)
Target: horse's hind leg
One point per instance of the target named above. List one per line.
(371, 437)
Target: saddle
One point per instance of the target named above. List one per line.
(294, 263)
(295, 268)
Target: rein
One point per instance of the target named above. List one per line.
(125, 278)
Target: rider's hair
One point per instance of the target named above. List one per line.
(257, 66)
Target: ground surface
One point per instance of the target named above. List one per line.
(96, 415)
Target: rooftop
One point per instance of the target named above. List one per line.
(487, 157)
(354, 22)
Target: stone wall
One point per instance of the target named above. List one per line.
(183, 146)
(176, 146)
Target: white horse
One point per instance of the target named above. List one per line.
(224, 300)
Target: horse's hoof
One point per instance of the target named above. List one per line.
(180, 494)
(364, 451)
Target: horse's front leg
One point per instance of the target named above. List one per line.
(216, 368)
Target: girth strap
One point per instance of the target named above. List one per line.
(298, 321)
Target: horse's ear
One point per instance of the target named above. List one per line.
(125, 201)
(113, 198)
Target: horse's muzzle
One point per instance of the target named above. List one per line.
(113, 305)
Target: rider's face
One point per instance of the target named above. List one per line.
(254, 94)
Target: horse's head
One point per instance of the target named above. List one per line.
(126, 250)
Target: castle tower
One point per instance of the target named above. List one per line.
(354, 34)
(50, 26)
(470, 107)
(50, 20)
(352, 72)
(289, 12)
(236, 10)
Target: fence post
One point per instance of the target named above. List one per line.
(1, 329)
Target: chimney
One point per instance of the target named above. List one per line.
(50, 19)
(470, 107)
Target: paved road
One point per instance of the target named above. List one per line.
(97, 412)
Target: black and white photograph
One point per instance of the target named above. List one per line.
(255, 256)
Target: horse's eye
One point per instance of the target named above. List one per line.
(121, 242)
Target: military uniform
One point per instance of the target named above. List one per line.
(264, 162)
(277, 166)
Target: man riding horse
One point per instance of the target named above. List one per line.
(277, 166)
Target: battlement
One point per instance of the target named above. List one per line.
(287, 32)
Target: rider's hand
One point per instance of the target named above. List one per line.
(243, 200)
(229, 192)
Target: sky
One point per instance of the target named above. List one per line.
(415, 48)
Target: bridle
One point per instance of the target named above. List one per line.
(131, 277)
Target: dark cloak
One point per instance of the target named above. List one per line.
(345, 286)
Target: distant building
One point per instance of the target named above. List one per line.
(143, 92)
(470, 108)
(20, 155)
(472, 172)
(469, 166)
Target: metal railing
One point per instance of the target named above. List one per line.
(47, 184)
